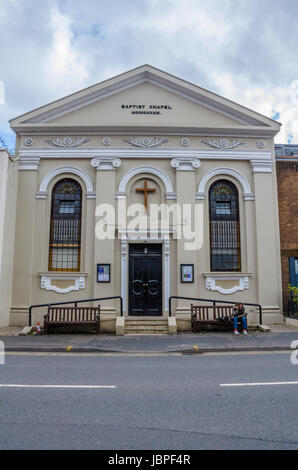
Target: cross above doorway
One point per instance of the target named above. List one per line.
(145, 190)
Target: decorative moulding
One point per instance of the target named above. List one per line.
(63, 170)
(153, 235)
(223, 143)
(123, 195)
(107, 141)
(171, 196)
(247, 193)
(146, 142)
(185, 142)
(164, 81)
(28, 141)
(41, 195)
(248, 197)
(46, 283)
(261, 166)
(124, 262)
(158, 236)
(91, 195)
(29, 163)
(261, 144)
(152, 153)
(200, 196)
(243, 282)
(67, 142)
(106, 163)
(185, 163)
(120, 195)
(149, 170)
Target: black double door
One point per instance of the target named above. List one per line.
(145, 279)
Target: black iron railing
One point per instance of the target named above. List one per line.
(75, 302)
(214, 303)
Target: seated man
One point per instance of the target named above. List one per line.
(239, 313)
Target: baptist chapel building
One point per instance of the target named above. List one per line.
(97, 166)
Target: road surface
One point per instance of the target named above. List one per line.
(131, 402)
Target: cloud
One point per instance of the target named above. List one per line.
(279, 103)
(56, 47)
(62, 64)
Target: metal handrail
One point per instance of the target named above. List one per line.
(75, 302)
(214, 303)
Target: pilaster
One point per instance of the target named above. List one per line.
(186, 254)
(268, 252)
(25, 238)
(104, 248)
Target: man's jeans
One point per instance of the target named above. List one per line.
(244, 323)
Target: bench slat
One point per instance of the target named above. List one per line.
(207, 314)
(72, 316)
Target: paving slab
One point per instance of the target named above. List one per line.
(11, 331)
(184, 342)
(283, 328)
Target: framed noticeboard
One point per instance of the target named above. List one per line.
(103, 273)
(187, 273)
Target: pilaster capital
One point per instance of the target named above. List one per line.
(106, 163)
(261, 166)
(186, 163)
(29, 163)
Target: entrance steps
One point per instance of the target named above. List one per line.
(146, 326)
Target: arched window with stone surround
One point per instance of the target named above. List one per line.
(65, 229)
(225, 252)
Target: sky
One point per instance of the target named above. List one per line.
(244, 50)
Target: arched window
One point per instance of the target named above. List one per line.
(224, 227)
(65, 231)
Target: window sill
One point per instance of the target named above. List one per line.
(63, 273)
(227, 282)
(62, 282)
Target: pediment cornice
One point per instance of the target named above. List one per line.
(41, 118)
(231, 132)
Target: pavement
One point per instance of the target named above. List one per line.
(280, 338)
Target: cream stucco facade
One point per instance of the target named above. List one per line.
(8, 196)
(145, 125)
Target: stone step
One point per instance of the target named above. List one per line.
(144, 333)
(147, 332)
(146, 327)
(146, 318)
(146, 323)
(151, 320)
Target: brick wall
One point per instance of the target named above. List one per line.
(287, 184)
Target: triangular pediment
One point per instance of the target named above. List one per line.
(144, 98)
(144, 104)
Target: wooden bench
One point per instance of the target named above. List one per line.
(207, 317)
(72, 316)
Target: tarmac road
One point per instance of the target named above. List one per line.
(156, 402)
